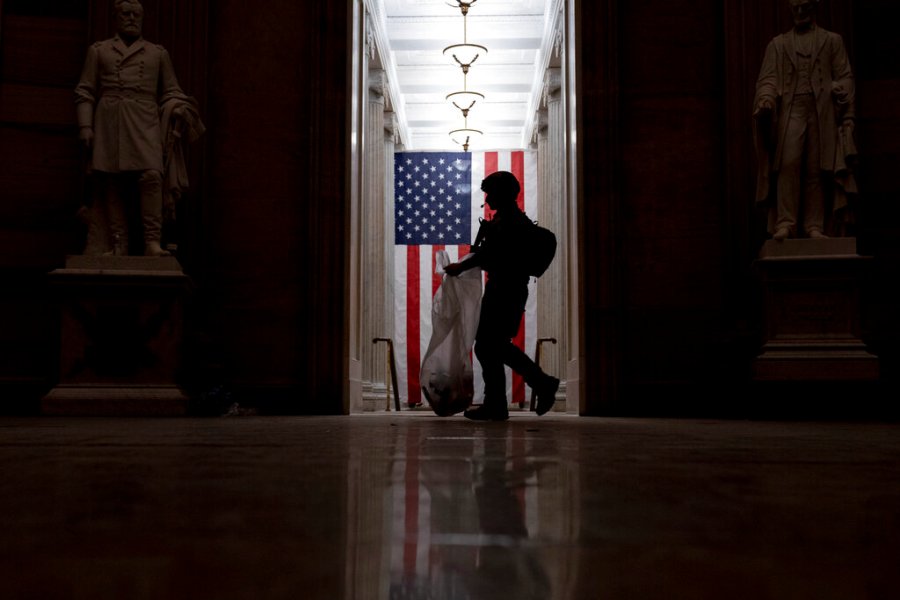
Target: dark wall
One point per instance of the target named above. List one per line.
(261, 230)
(653, 99)
(41, 49)
(272, 273)
(672, 309)
(671, 302)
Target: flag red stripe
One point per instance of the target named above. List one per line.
(517, 166)
(413, 350)
(435, 278)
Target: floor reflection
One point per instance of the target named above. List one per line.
(473, 512)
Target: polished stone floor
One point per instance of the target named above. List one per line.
(413, 506)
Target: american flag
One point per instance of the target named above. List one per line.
(437, 205)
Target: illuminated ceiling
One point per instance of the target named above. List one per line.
(519, 36)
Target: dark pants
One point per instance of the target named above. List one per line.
(502, 307)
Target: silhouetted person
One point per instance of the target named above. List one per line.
(129, 107)
(804, 111)
(498, 252)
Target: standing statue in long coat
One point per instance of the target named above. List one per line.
(804, 120)
(126, 86)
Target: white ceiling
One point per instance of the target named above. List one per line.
(518, 35)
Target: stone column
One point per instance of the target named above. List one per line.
(373, 247)
(551, 288)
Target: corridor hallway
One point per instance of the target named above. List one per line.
(408, 506)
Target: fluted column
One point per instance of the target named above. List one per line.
(374, 258)
(551, 289)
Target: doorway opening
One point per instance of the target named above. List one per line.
(398, 108)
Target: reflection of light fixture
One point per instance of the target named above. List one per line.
(465, 54)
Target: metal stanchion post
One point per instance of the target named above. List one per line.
(391, 369)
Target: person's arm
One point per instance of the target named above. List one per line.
(455, 269)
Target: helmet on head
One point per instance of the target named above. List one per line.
(502, 185)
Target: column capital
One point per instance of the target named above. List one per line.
(391, 127)
(377, 85)
(552, 85)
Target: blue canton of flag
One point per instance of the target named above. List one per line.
(432, 198)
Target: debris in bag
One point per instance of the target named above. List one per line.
(447, 376)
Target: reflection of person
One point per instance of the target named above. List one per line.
(503, 302)
(804, 114)
(126, 84)
(508, 566)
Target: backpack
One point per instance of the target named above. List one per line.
(535, 246)
(539, 249)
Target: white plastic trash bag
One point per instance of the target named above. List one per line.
(446, 376)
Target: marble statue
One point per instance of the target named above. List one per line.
(134, 120)
(803, 126)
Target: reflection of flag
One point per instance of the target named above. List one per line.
(437, 205)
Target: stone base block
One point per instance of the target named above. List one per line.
(121, 321)
(144, 401)
(813, 312)
(827, 363)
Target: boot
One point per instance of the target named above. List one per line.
(116, 220)
(151, 213)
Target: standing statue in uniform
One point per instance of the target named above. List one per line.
(804, 120)
(133, 120)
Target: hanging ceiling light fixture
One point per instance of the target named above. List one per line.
(465, 54)
(464, 135)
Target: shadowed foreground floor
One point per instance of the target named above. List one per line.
(415, 506)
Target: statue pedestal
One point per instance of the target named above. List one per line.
(812, 290)
(121, 328)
